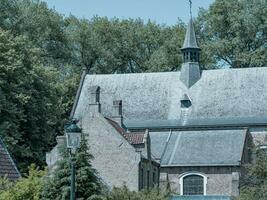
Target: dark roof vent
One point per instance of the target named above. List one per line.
(94, 92)
(185, 102)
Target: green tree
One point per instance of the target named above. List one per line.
(168, 56)
(5, 184)
(57, 184)
(124, 193)
(29, 104)
(29, 188)
(9, 15)
(254, 184)
(234, 33)
(124, 46)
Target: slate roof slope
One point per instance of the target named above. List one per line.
(199, 148)
(219, 94)
(8, 168)
(190, 37)
(159, 141)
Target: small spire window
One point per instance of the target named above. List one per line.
(186, 102)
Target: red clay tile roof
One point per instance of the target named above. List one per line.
(132, 138)
(8, 168)
(117, 127)
(135, 138)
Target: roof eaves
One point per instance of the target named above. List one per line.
(203, 165)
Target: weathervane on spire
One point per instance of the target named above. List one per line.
(190, 1)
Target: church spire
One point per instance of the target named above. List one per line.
(190, 70)
(190, 48)
(190, 41)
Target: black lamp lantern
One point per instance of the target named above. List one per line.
(73, 135)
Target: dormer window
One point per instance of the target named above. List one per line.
(94, 92)
(97, 95)
(185, 102)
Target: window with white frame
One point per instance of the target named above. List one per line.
(193, 184)
(262, 148)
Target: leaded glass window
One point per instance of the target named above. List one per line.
(193, 185)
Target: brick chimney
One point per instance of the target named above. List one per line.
(147, 143)
(117, 112)
(94, 100)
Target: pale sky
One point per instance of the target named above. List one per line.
(161, 11)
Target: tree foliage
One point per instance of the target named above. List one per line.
(124, 193)
(29, 188)
(42, 54)
(254, 184)
(234, 33)
(28, 100)
(57, 184)
(121, 46)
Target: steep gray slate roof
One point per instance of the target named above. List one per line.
(159, 141)
(220, 95)
(8, 168)
(190, 37)
(199, 148)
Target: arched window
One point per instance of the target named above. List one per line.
(193, 184)
(262, 149)
(187, 57)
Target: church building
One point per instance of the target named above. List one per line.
(191, 130)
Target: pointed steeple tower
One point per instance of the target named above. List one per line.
(190, 71)
(190, 48)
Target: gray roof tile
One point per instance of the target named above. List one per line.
(199, 148)
(8, 168)
(190, 37)
(219, 94)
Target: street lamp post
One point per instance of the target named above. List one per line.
(73, 135)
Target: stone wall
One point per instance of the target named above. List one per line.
(259, 136)
(220, 180)
(55, 155)
(116, 160)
